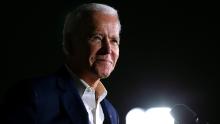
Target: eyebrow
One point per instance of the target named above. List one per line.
(102, 34)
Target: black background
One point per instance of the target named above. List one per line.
(168, 52)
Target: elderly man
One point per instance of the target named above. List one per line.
(74, 94)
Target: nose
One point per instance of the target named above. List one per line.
(105, 47)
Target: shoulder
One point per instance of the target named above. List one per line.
(35, 83)
(28, 89)
(30, 95)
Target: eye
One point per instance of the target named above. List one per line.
(115, 41)
(96, 38)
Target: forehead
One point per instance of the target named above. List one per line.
(100, 16)
(97, 20)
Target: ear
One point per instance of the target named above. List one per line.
(67, 44)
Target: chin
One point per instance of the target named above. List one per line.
(103, 71)
(103, 76)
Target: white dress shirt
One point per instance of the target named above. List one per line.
(91, 98)
(93, 106)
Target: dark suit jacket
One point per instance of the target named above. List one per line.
(52, 99)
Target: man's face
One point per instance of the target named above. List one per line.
(100, 50)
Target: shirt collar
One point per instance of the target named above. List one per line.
(100, 90)
(81, 85)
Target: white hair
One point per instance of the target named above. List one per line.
(71, 25)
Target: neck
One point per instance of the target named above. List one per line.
(91, 79)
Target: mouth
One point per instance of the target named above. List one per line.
(104, 61)
(104, 58)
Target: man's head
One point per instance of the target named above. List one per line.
(91, 40)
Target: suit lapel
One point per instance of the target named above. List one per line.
(111, 116)
(74, 108)
(106, 112)
(70, 99)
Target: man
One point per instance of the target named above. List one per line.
(74, 94)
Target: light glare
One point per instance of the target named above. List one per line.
(135, 116)
(159, 115)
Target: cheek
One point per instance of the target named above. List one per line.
(92, 53)
(115, 55)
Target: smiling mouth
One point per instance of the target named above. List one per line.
(104, 60)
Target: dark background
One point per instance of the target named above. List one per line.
(168, 53)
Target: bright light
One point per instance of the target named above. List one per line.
(160, 115)
(135, 116)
